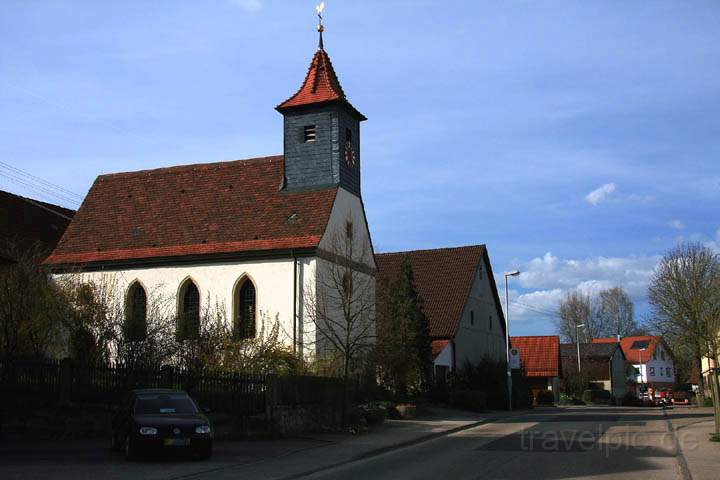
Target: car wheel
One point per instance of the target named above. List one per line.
(205, 453)
(130, 453)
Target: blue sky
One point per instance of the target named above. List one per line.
(578, 140)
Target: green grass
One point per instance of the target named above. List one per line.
(715, 437)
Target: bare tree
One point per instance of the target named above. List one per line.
(685, 297)
(30, 310)
(341, 307)
(615, 313)
(577, 321)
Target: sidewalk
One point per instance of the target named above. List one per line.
(338, 449)
(692, 427)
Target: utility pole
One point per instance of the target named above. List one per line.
(514, 273)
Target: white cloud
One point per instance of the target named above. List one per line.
(545, 280)
(676, 224)
(249, 5)
(715, 244)
(600, 193)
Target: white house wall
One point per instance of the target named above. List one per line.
(656, 369)
(480, 332)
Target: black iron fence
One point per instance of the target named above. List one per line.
(238, 394)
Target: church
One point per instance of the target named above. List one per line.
(267, 239)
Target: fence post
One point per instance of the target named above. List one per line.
(66, 379)
(271, 400)
(167, 376)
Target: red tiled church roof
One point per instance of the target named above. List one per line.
(632, 347)
(443, 278)
(321, 85)
(540, 356)
(213, 208)
(26, 223)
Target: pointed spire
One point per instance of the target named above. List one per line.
(321, 84)
(320, 27)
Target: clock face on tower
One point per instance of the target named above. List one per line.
(350, 157)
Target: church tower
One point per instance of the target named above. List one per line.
(321, 131)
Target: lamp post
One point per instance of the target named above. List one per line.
(577, 342)
(514, 273)
(641, 364)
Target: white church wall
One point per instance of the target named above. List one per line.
(348, 207)
(329, 296)
(216, 282)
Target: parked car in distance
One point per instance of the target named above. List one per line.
(156, 420)
(680, 397)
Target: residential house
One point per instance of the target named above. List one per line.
(27, 223)
(603, 365)
(460, 301)
(540, 361)
(650, 357)
(259, 237)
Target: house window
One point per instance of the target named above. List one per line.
(189, 317)
(309, 133)
(655, 355)
(349, 230)
(490, 323)
(348, 135)
(136, 313)
(472, 317)
(651, 371)
(662, 355)
(245, 308)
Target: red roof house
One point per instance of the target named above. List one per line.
(651, 357)
(539, 356)
(28, 223)
(460, 301)
(540, 360)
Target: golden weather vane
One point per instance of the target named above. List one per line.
(319, 9)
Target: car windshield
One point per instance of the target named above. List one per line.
(164, 404)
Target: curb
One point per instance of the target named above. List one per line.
(405, 444)
(680, 457)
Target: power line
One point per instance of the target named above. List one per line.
(38, 188)
(40, 180)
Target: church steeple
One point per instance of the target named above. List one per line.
(321, 130)
(321, 85)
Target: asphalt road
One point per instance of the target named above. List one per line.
(587, 443)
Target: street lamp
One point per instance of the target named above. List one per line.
(641, 364)
(514, 273)
(577, 341)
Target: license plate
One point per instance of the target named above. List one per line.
(177, 442)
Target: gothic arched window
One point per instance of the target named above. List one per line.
(136, 313)
(245, 307)
(189, 311)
